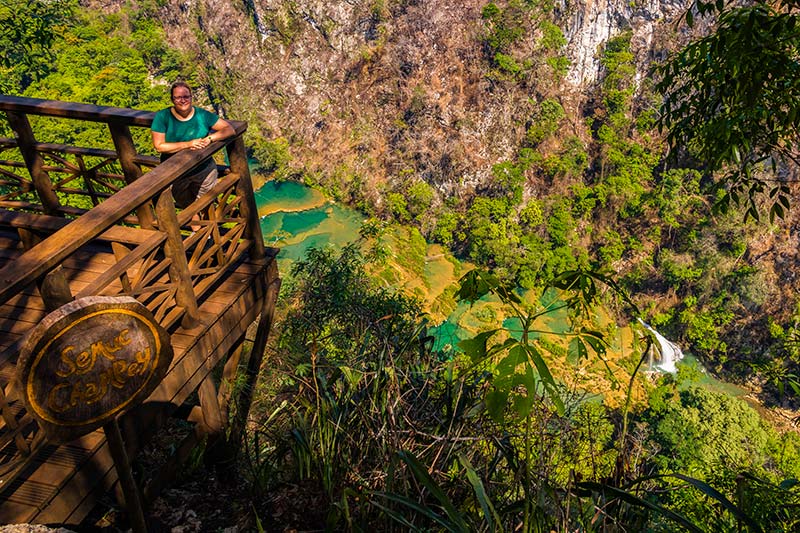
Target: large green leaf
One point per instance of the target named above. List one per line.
(576, 351)
(476, 347)
(508, 365)
(496, 402)
(546, 377)
(476, 284)
(489, 513)
(414, 506)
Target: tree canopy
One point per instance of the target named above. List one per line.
(732, 98)
(27, 32)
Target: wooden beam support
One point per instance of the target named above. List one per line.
(237, 155)
(133, 503)
(120, 252)
(245, 397)
(169, 471)
(179, 267)
(212, 418)
(123, 142)
(33, 160)
(53, 286)
(226, 386)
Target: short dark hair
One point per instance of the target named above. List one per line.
(175, 85)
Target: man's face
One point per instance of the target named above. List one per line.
(182, 100)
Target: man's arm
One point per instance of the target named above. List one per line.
(162, 146)
(222, 129)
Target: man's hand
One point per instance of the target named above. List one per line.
(199, 144)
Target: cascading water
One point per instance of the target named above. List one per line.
(670, 353)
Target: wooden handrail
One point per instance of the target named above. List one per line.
(148, 160)
(78, 111)
(93, 113)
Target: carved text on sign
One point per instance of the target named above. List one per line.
(116, 374)
(84, 361)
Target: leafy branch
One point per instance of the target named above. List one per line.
(518, 361)
(731, 98)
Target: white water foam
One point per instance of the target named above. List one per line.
(669, 352)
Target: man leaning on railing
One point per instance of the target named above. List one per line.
(186, 127)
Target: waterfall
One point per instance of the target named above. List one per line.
(670, 353)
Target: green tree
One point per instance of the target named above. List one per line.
(28, 30)
(345, 318)
(732, 98)
(545, 122)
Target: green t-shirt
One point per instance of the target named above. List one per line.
(185, 189)
(176, 130)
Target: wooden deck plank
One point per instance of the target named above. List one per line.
(15, 327)
(51, 224)
(17, 513)
(73, 489)
(26, 298)
(176, 389)
(24, 313)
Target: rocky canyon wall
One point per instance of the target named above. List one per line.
(588, 24)
(385, 91)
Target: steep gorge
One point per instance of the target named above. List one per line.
(371, 99)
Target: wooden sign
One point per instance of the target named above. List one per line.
(89, 361)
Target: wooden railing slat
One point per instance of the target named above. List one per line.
(123, 142)
(148, 160)
(94, 113)
(34, 161)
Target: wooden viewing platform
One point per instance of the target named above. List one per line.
(82, 221)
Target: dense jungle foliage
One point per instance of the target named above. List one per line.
(361, 425)
(362, 414)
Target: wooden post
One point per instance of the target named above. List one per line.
(212, 418)
(120, 251)
(33, 160)
(88, 179)
(123, 142)
(212, 424)
(237, 155)
(13, 425)
(133, 504)
(53, 286)
(179, 267)
(228, 378)
(245, 397)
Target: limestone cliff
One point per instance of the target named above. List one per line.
(588, 24)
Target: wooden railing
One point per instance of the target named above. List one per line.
(231, 226)
(60, 198)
